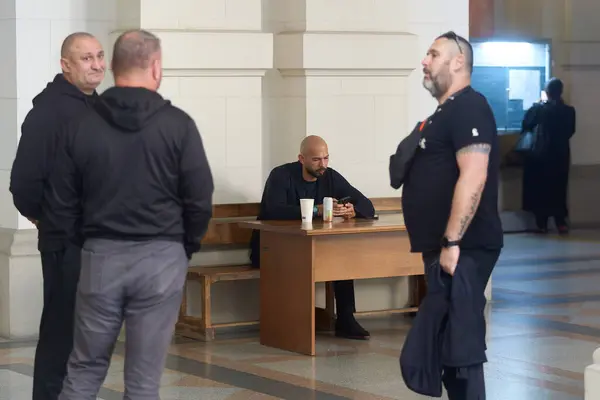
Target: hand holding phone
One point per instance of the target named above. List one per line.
(344, 208)
(344, 200)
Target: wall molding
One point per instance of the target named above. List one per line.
(224, 72)
(356, 51)
(19, 242)
(322, 72)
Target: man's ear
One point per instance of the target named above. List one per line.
(65, 65)
(459, 62)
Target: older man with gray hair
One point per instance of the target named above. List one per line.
(133, 187)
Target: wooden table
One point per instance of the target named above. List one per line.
(294, 257)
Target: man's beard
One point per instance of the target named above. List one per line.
(437, 85)
(316, 173)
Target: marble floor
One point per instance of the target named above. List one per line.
(544, 324)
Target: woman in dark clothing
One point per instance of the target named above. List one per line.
(546, 172)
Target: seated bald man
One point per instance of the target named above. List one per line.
(309, 177)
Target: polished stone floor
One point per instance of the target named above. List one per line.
(544, 324)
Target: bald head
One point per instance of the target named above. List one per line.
(312, 143)
(134, 52)
(314, 156)
(82, 61)
(458, 45)
(69, 43)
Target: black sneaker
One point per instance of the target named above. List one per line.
(349, 328)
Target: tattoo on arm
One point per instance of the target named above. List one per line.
(474, 203)
(475, 148)
(473, 163)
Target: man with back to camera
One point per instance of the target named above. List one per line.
(450, 196)
(546, 173)
(134, 188)
(309, 177)
(70, 94)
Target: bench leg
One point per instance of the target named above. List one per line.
(183, 307)
(418, 289)
(208, 330)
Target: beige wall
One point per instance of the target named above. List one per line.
(572, 28)
(257, 76)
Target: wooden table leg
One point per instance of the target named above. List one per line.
(287, 293)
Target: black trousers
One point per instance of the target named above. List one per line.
(344, 298)
(468, 383)
(60, 271)
(343, 290)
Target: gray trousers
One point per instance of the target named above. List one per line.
(141, 284)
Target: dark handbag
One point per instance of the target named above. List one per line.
(533, 142)
(401, 161)
(526, 142)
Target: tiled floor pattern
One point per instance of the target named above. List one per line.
(544, 325)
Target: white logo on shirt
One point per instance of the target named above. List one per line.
(475, 132)
(422, 143)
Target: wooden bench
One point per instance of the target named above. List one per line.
(224, 233)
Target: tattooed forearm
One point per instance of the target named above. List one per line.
(473, 165)
(475, 148)
(467, 195)
(466, 219)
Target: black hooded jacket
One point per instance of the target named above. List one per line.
(134, 168)
(55, 106)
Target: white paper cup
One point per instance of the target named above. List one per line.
(306, 208)
(307, 226)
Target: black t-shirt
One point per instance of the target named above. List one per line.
(464, 119)
(309, 190)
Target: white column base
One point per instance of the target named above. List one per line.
(21, 285)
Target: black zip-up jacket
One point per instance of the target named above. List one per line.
(282, 194)
(55, 106)
(134, 168)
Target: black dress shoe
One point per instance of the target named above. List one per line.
(349, 328)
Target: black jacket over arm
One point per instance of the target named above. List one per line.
(282, 193)
(449, 330)
(53, 108)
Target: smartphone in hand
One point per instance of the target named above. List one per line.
(344, 200)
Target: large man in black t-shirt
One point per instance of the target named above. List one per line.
(450, 195)
(309, 177)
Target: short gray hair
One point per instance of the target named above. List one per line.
(65, 49)
(134, 50)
